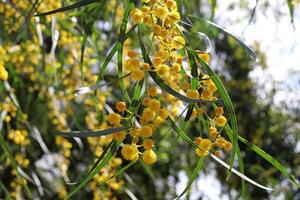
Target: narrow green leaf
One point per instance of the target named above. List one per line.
(240, 160)
(107, 157)
(270, 159)
(83, 45)
(291, 9)
(213, 9)
(23, 28)
(70, 7)
(179, 6)
(120, 50)
(248, 49)
(193, 176)
(136, 96)
(2, 186)
(84, 134)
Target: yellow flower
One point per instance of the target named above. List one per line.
(220, 142)
(219, 110)
(161, 12)
(148, 144)
(213, 132)
(149, 156)
(119, 136)
(156, 61)
(137, 74)
(121, 106)
(163, 70)
(194, 94)
(163, 113)
(146, 131)
(132, 54)
(227, 146)
(153, 91)
(220, 121)
(3, 74)
(154, 105)
(148, 115)
(178, 42)
(130, 152)
(114, 118)
(204, 147)
(136, 15)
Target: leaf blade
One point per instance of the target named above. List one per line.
(70, 7)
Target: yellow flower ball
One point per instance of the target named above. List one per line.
(137, 16)
(163, 113)
(154, 105)
(227, 146)
(3, 74)
(149, 156)
(137, 74)
(220, 121)
(132, 54)
(163, 70)
(153, 91)
(146, 131)
(204, 147)
(148, 115)
(213, 132)
(194, 94)
(114, 118)
(121, 106)
(148, 144)
(130, 152)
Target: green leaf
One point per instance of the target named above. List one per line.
(107, 157)
(193, 176)
(248, 49)
(84, 134)
(33, 9)
(70, 7)
(179, 6)
(83, 45)
(136, 96)
(213, 9)
(240, 160)
(120, 50)
(7, 194)
(291, 9)
(160, 82)
(270, 159)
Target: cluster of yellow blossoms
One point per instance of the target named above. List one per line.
(163, 17)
